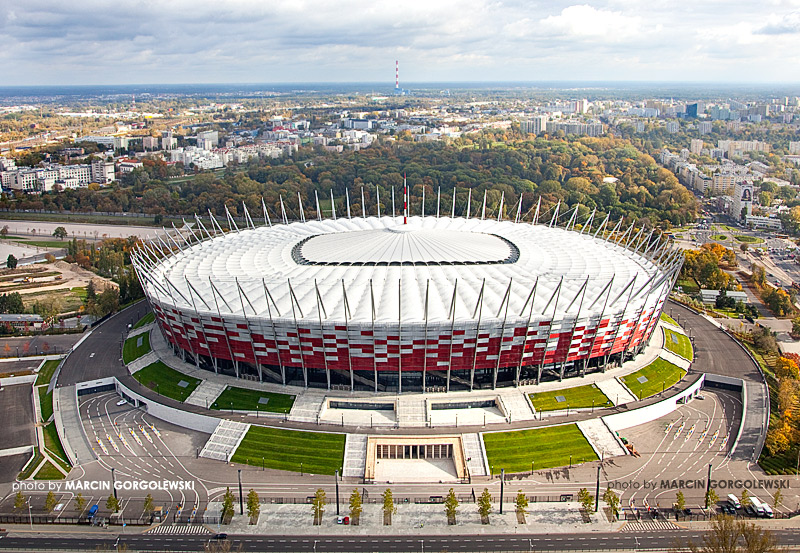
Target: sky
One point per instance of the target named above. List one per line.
(57, 42)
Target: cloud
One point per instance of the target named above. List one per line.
(140, 41)
(781, 25)
(587, 22)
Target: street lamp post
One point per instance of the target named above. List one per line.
(113, 483)
(336, 479)
(241, 502)
(502, 483)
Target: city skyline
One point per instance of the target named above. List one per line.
(202, 42)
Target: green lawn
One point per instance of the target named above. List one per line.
(678, 344)
(668, 319)
(319, 453)
(719, 237)
(689, 285)
(46, 372)
(31, 466)
(242, 399)
(48, 472)
(749, 239)
(545, 447)
(574, 398)
(40, 243)
(164, 380)
(660, 375)
(52, 444)
(147, 319)
(131, 351)
(45, 403)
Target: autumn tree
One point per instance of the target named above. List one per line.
(355, 506)
(612, 500)
(485, 505)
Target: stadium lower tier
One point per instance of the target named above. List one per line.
(459, 355)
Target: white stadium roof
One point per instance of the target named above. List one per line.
(366, 269)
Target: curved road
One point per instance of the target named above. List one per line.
(718, 353)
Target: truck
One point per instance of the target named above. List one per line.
(758, 507)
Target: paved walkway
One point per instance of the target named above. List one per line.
(69, 427)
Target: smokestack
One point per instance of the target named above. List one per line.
(396, 75)
(405, 200)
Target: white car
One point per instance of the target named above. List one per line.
(122, 402)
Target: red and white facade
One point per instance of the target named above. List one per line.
(440, 302)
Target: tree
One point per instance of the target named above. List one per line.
(680, 501)
(585, 499)
(711, 498)
(521, 503)
(451, 506)
(112, 503)
(745, 500)
(4, 231)
(485, 505)
(19, 502)
(777, 499)
(355, 506)
(227, 506)
(80, 502)
(60, 233)
(253, 505)
(11, 262)
(50, 502)
(389, 508)
(318, 506)
(612, 500)
(148, 504)
(728, 535)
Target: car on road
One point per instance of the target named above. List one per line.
(342, 520)
(221, 536)
(749, 510)
(122, 402)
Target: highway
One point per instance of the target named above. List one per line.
(660, 541)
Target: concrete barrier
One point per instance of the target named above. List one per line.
(636, 417)
(185, 419)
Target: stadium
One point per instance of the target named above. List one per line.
(389, 304)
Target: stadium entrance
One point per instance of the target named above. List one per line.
(415, 459)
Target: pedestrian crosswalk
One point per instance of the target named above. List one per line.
(179, 529)
(648, 526)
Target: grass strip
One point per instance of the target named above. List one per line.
(243, 399)
(291, 450)
(659, 375)
(552, 446)
(165, 381)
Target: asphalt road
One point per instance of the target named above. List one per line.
(100, 354)
(715, 351)
(664, 541)
(16, 410)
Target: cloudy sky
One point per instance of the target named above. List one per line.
(248, 41)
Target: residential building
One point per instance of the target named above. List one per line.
(535, 125)
(696, 146)
(673, 127)
(704, 127)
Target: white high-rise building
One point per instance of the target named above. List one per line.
(696, 146)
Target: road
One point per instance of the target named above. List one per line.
(662, 541)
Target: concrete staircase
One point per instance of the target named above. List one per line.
(222, 443)
(411, 411)
(517, 407)
(616, 392)
(143, 361)
(205, 394)
(473, 450)
(307, 408)
(355, 456)
(601, 438)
